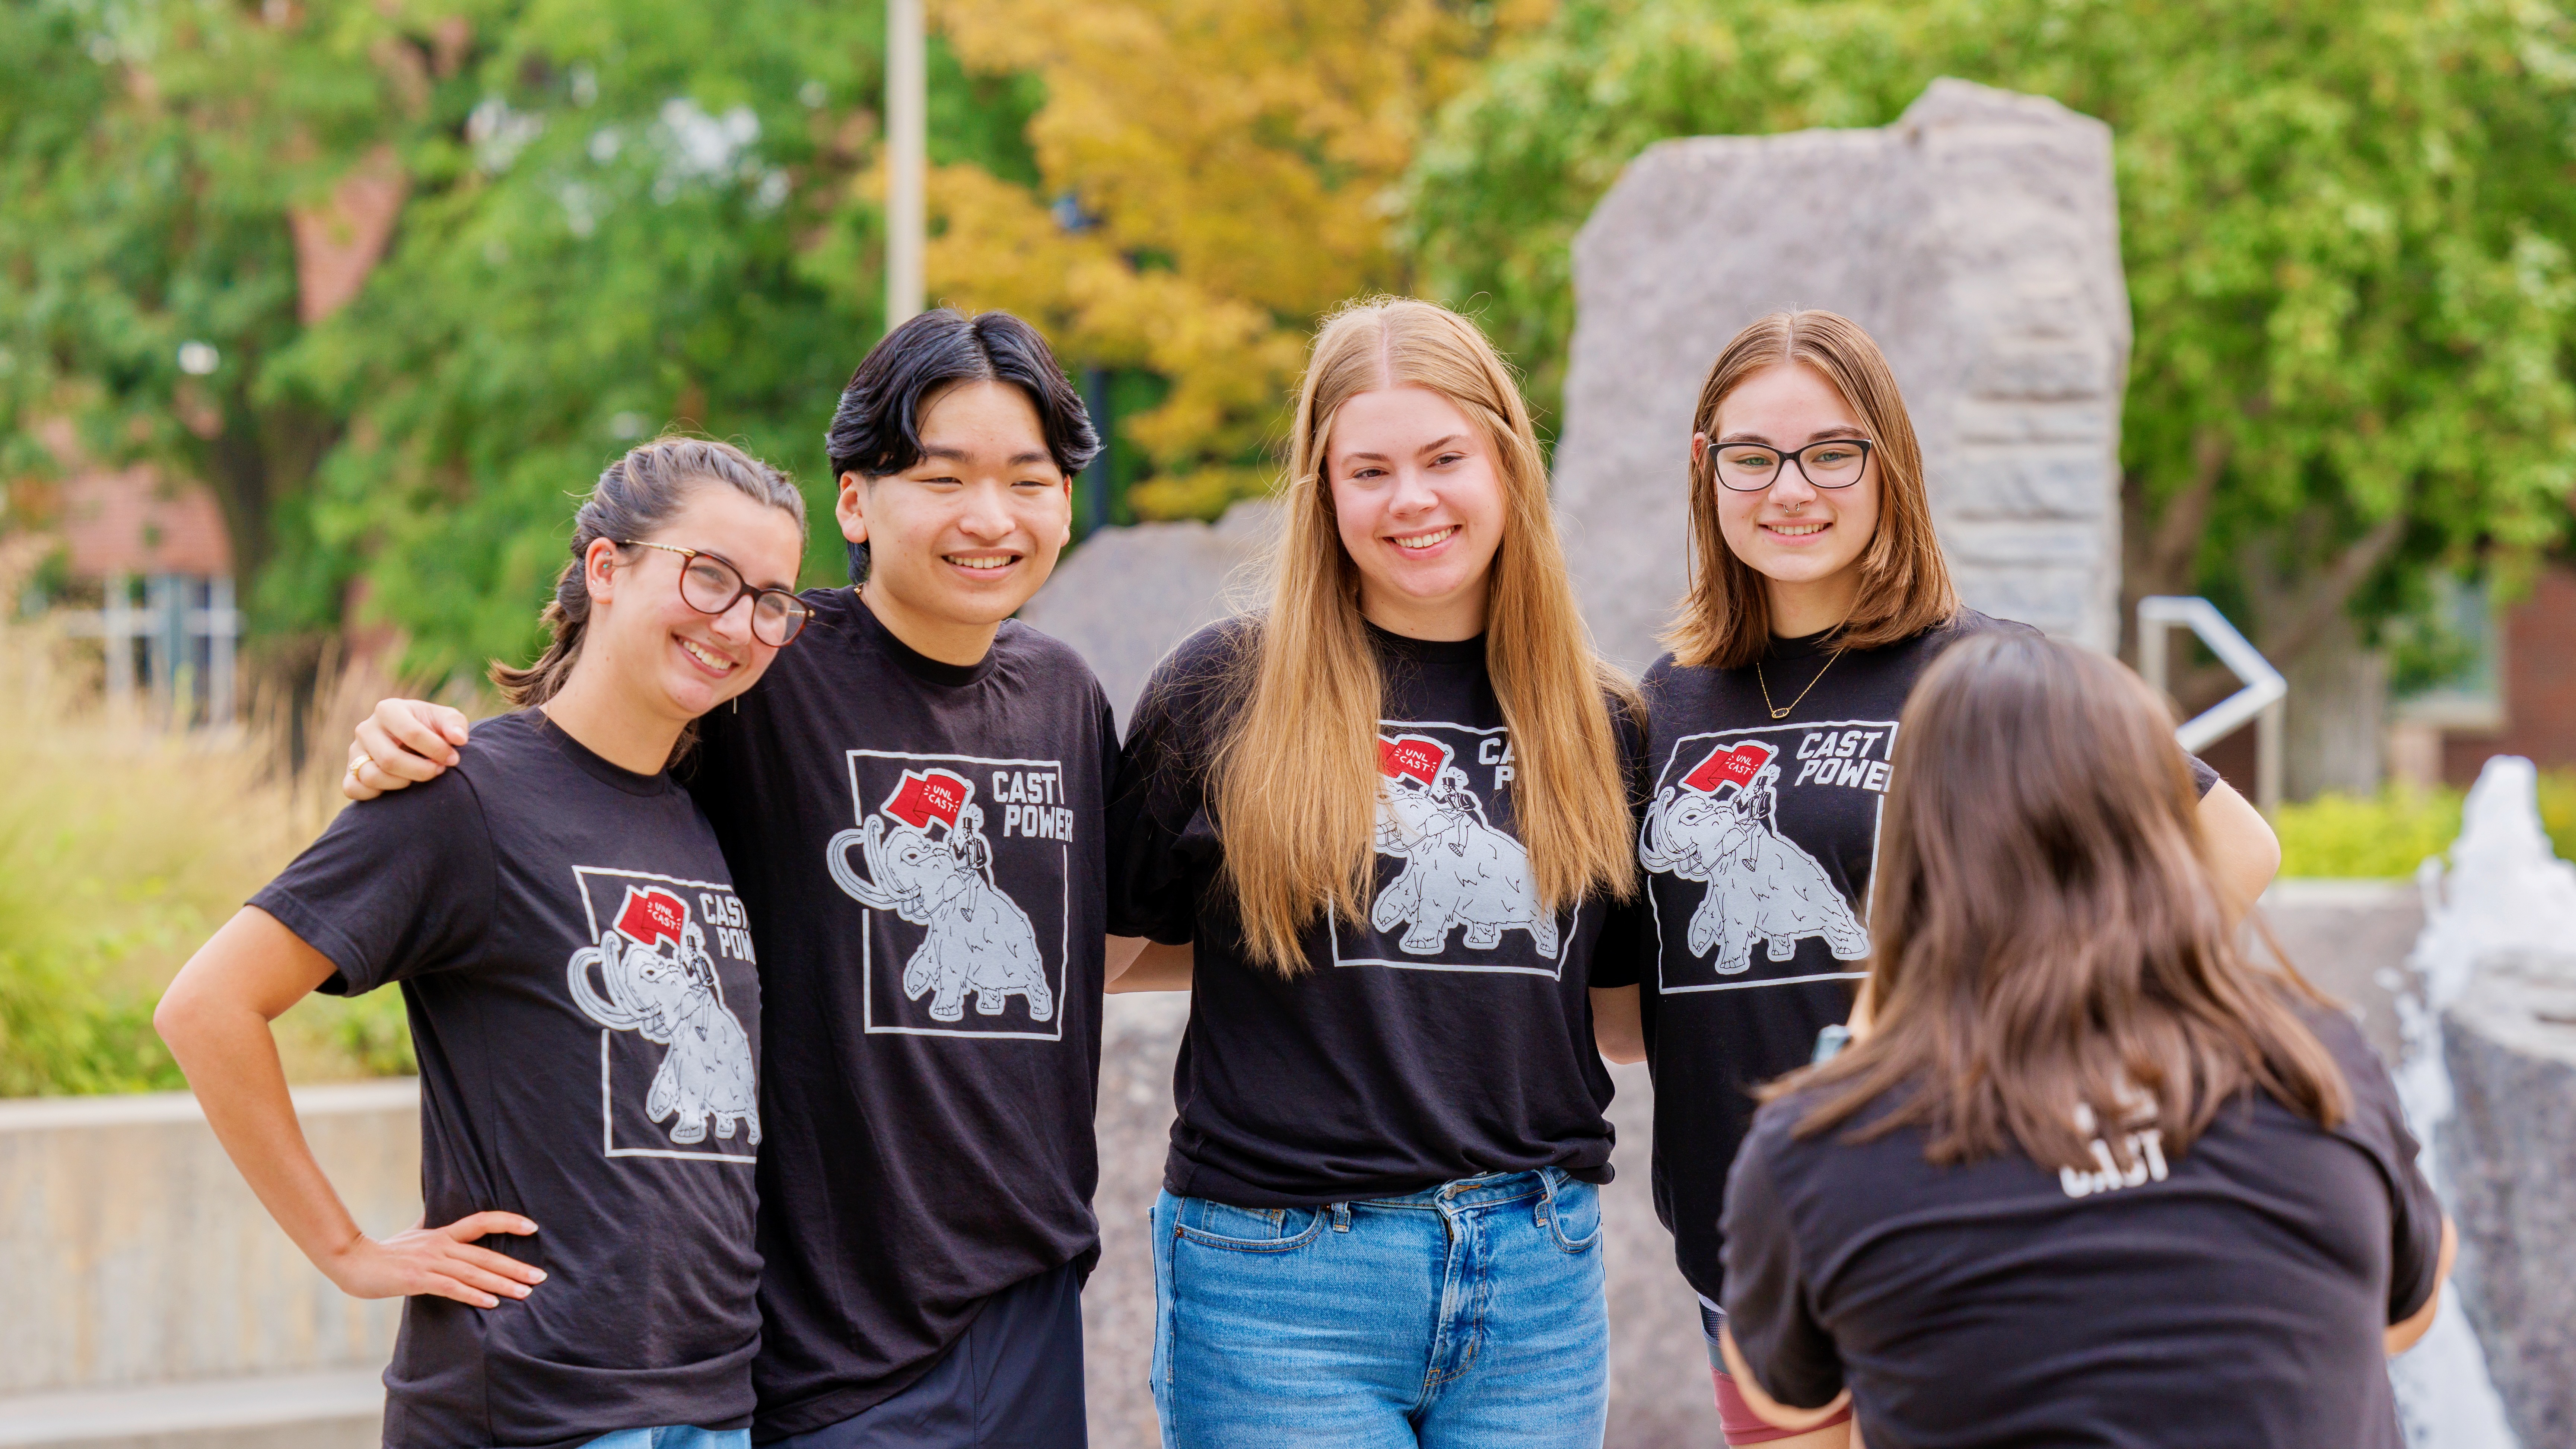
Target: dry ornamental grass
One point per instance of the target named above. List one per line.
(122, 848)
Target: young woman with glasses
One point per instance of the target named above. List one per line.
(579, 977)
(1820, 596)
(1390, 813)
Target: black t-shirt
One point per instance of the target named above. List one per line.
(1757, 844)
(1448, 1035)
(584, 1003)
(2229, 1297)
(921, 845)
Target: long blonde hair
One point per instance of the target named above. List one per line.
(1296, 772)
(1725, 621)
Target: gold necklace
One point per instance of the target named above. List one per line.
(1782, 711)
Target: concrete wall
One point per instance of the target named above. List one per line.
(134, 1253)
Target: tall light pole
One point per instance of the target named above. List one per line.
(907, 136)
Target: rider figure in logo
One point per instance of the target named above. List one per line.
(978, 939)
(1458, 869)
(1721, 825)
(662, 985)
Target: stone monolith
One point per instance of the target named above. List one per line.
(1977, 239)
(1127, 595)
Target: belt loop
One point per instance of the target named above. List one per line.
(1341, 1217)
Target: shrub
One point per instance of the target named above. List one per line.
(2389, 834)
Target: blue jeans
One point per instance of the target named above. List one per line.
(677, 1436)
(1461, 1317)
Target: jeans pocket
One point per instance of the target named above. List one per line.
(1572, 1212)
(1246, 1230)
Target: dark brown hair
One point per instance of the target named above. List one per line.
(2046, 934)
(634, 496)
(1725, 620)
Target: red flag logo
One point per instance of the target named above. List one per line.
(1411, 757)
(650, 917)
(928, 795)
(1737, 767)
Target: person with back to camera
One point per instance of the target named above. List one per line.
(2087, 1177)
(1390, 814)
(1820, 596)
(581, 992)
(914, 804)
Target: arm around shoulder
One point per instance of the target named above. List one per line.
(403, 742)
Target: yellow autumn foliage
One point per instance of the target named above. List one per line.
(1239, 157)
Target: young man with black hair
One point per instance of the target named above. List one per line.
(912, 806)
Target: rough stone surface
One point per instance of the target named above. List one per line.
(2349, 938)
(1127, 595)
(1659, 1373)
(2510, 1040)
(1977, 239)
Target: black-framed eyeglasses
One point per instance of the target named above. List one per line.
(711, 585)
(1825, 463)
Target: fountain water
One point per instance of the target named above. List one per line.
(2503, 890)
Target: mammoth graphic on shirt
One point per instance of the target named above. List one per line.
(933, 866)
(661, 984)
(1460, 872)
(1720, 825)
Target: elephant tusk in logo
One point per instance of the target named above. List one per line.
(1720, 825)
(930, 863)
(661, 984)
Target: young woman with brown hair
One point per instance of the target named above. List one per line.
(582, 992)
(1390, 812)
(1820, 596)
(2092, 1179)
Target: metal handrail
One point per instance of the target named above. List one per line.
(2259, 701)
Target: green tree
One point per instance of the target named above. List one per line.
(149, 157)
(2345, 228)
(612, 219)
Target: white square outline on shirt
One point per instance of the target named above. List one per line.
(867, 933)
(1877, 821)
(607, 1094)
(1565, 936)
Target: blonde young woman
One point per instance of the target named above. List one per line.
(1820, 597)
(1392, 814)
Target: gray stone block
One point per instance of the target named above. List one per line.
(2510, 1042)
(1127, 595)
(2350, 939)
(1977, 239)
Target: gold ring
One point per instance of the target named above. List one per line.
(364, 759)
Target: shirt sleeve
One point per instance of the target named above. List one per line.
(2203, 778)
(1791, 1355)
(399, 886)
(2378, 1123)
(1156, 794)
(1625, 934)
(1628, 932)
